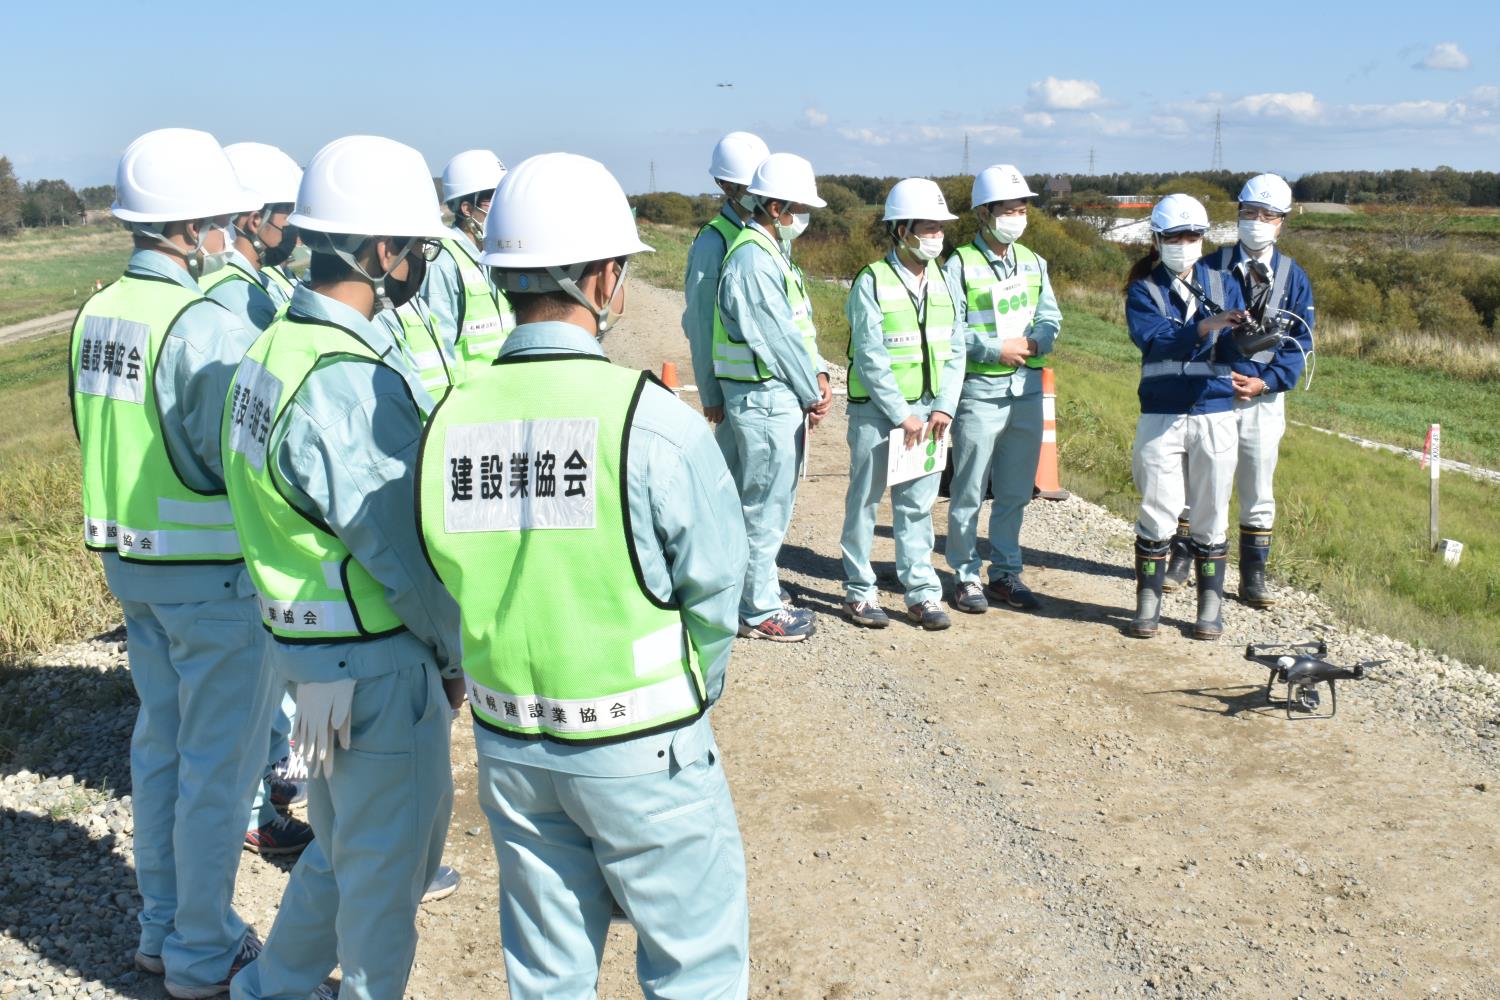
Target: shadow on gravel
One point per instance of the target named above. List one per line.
(68, 720)
(1075, 564)
(1232, 701)
(67, 905)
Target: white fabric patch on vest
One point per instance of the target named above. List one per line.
(112, 359)
(674, 697)
(252, 404)
(308, 616)
(520, 475)
(1010, 307)
(664, 646)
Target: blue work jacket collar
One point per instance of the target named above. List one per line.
(551, 337)
(158, 265)
(308, 304)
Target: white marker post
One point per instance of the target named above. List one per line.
(1434, 455)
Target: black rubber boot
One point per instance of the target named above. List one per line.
(1210, 568)
(1150, 570)
(1255, 551)
(1182, 557)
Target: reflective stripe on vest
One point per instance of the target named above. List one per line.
(979, 275)
(522, 515)
(1192, 369)
(134, 502)
(733, 359)
(420, 335)
(311, 589)
(485, 317)
(918, 344)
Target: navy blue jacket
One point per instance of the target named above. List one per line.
(1284, 367)
(1179, 372)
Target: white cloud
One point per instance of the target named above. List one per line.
(1299, 106)
(814, 117)
(1402, 113)
(868, 136)
(1038, 119)
(1485, 97)
(1053, 94)
(1444, 55)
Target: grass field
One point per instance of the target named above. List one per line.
(1352, 523)
(1454, 224)
(44, 271)
(51, 589)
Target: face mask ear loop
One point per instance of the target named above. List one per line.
(379, 282)
(567, 281)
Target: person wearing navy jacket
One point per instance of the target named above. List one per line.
(1186, 439)
(1277, 292)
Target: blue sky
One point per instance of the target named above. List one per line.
(869, 88)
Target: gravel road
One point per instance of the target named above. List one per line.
(1022, 806)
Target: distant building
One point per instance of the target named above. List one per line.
(1057, 188)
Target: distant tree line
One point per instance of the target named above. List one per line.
(45, 202)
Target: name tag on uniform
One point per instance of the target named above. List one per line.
(112, 359)
(487, 325)
(520, 475)
(252, 403)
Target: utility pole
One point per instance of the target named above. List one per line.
(965, 172)
(653, 177)
(1218, 163)
(1091, 161)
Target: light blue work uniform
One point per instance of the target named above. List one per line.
(279, 296)
(196, 649)
(253, 306)
(766, 418)
(997, 432)
(443, 286)
(346, 446)
(870, 426)
(646, 821)
(247, 299)
(699, 285)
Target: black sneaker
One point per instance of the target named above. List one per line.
(283, 835)
(250, 949)
(930, 615)
(782, 626)
(969, 598)
(283, 793)
(1009, 589)
(867, 614)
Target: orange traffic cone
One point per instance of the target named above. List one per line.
(1047, 486)
(98, 285)
(669, 376)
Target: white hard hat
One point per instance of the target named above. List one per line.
(364, 185)
(1177, 213)
(1267, 191)
(471, 172)
(1001, 182)
(917, 198)
(266, 170)
(558, 209)
(736, 157)
(175, 175)
(787, 177)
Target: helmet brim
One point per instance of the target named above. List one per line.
(517, 260)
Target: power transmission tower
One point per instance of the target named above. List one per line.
(653, 176)
(1218, 163)
(965, 171)
(1091, 161)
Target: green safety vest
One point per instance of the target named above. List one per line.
(978, 277)
(524, 518)
(229, 272)
(134, 502)
(484, 318)
(283, 284)
(724, 228)
(733, 359)
(311, 588)
(918, 344)
(425, 347)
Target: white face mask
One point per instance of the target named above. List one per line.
(1178, 257)
(796, 229)
(218, 259)
(1258, 235)
(928, 247)
(1008, 228)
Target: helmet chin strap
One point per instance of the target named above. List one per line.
(567, 281)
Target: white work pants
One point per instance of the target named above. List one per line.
(1185, 460)
(1262, 422)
